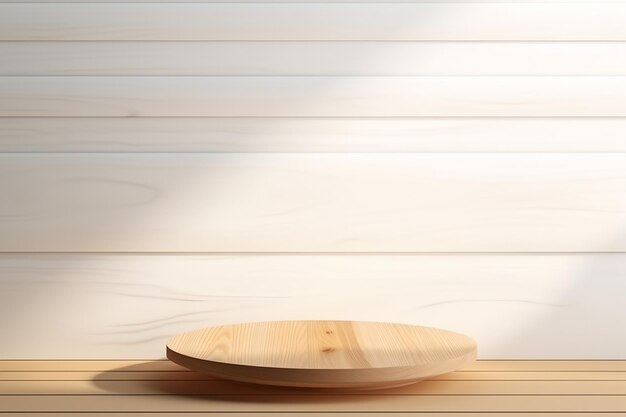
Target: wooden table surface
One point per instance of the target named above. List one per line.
(160, 387)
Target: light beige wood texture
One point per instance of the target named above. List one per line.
(345, 215)
(312, 202)
(312, 58)
(322, 21)
(333, 135)
(451, 395)
(510, 303)
(322, 354)
(313, 96)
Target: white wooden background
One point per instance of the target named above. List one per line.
(170, 165)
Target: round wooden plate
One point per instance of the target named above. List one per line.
(322, 354)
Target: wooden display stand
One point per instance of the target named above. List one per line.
(322, 354)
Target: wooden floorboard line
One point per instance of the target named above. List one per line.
(177, 393)
(165, 387)
(347, 403)
(261, 414)
(165, 365)
(192, 376)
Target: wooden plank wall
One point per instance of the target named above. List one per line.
(165, 166)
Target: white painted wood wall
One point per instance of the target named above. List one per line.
(166, 166)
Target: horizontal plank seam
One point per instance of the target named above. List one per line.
(356, 118)
(338, 253)
(217, 379)
(538, 41)
(303, 413)
(318, 76)
(312, 395)
(200, 75)
(185, 371)
(188, 371)
(290, 41)
(167, 360)
(300, 153)
(350, 394)
(372, 152)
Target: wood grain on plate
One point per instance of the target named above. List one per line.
(322, 354)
